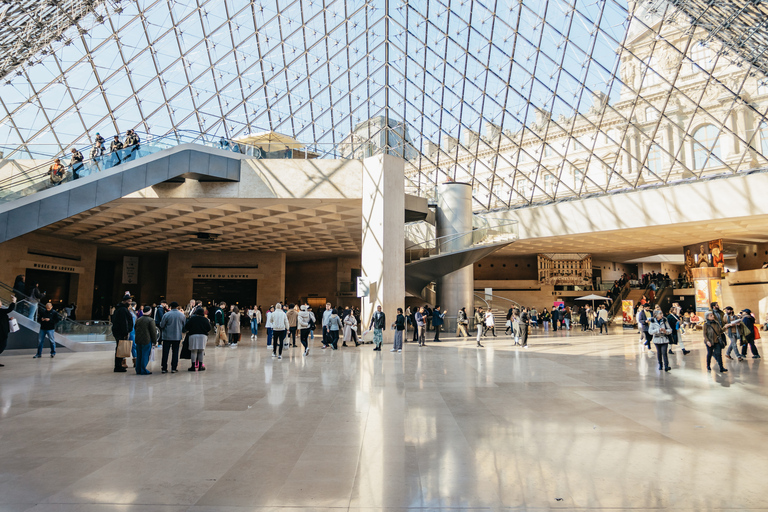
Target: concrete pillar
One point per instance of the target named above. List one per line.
(454, 216)
(383, 251)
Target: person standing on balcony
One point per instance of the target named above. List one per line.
(115, 147)
(97, 151)
(48, 320)
(132, 144)
(76, 163)
(438, 318)
(56, 172)
(19, 288)
(5, 328)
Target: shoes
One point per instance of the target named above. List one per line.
(660, 368)
(525, 346)
(670, 351)
(233, 345)
(36, 356)
(274, 355)
(174, 370)
(344, 344)
(741, 358)
(393, 350)
(120, 370)
(357, 344)
(479, 346)
(686, 352)
(325, 347)
(753, 357)
(164, 371)
(723, 370)
(134, 362)
(306, 351)
(53, 355)
(201, 367)
(729, 357)
(192, 368)
(148, 373)
(667, 369)
(279, 357)
(399, 350)
(709, 369)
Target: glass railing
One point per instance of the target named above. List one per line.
(34, 179)
(87, 328)
(492, 232)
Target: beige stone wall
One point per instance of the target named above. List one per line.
(15, 258)
(270, 274)
(528, 293)
(747, 289)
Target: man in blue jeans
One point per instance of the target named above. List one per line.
(48, 320)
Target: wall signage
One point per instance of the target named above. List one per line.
(53, 267)
(222, 275)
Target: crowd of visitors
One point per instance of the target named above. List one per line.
(100, 158)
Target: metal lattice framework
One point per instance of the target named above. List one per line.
(530, 101)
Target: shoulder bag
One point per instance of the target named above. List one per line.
(124, 348)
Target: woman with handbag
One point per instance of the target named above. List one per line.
(715, 340)
(463, 322)
(749, 340)
(660, 330)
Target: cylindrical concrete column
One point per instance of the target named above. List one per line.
(454, 216)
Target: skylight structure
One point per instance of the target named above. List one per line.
(529, 101)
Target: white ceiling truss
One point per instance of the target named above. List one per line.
(531, 101)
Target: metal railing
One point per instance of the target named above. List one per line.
(24, 182)
(491, 233)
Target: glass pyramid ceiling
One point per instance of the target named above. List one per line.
(529, 100)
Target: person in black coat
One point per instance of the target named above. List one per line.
(555, 318)
(122, 325)
(19, 288)
(4, 327)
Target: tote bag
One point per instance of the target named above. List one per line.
(124, 348)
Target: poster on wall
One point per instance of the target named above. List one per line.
(130, 269)
(702, 255)
(627, 311)
(716, 292)
(701, 288)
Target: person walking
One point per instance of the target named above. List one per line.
(731, 326)
(643, 320)
(399, 326)
(525, 321)
(556, 319)
(233, 326)
(335, 325)
(350, 324)
(255, 321)
(378, 324)
(514, 321)
(304, 321)
(146, 337)
(198, 327)
(490, 323)
(292, 314)
(421, 324)
(268, 325)
(5, 328)
(479, 323)
(713, 338)
(660, 330)
(220, 321)
(280, 329)
(545, 317)
(462, 323)
(675, 322)
(326, 331)
(602, 319)
(48, 320)
(749, 339)
(171, 327)
(438, 319)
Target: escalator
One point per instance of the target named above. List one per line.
(87, 336)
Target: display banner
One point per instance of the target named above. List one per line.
(130, 269)
(627, 311)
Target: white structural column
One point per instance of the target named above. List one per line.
(453, 217)
(383, 251)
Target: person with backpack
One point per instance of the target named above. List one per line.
(305, 321)
(115, 147)
(660, 331)
(749, 334)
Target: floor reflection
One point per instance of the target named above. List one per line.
(576, 422)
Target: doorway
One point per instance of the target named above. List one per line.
(55, 285)
(240, 292)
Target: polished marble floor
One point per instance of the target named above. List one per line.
(574, 422)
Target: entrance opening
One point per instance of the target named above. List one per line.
(240, 292)
(55, 285)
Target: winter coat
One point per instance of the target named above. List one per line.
(233, 327)
(172, 324)
(349, 323)
(122, 322)
(146, 330)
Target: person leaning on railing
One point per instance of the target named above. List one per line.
(76, 163)
(56, 172)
